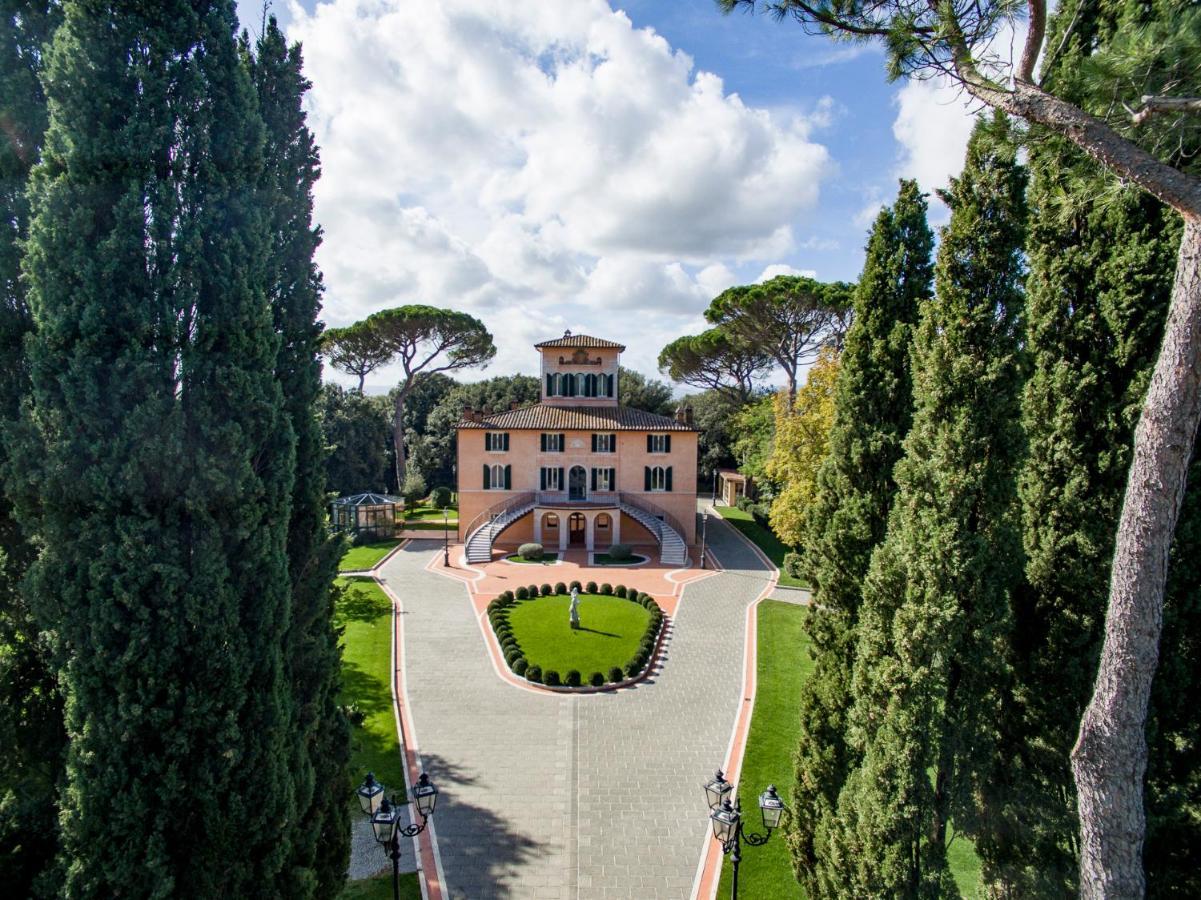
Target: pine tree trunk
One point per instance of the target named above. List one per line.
(1110, 757)
(398, 439)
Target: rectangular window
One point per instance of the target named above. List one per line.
(602, 479)
(604, 443)
(658, 443)
(496, 441)
(553, 443)
(552, 478)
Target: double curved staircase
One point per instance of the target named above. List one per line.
(486, 527)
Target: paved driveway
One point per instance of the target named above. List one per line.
(577, 796)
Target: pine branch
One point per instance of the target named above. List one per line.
(1153, 105)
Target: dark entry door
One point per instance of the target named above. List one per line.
(576, 526)
(577, 484)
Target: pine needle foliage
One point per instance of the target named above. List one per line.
(855, 488)
(931, 669)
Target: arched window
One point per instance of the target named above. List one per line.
(590, 385)
(603, 522)
(550, 522)
(658, 478)
(498, 477)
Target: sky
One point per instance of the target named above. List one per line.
(607, 166)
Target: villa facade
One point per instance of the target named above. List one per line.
(577, 469)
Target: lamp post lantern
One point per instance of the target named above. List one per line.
(728, 826)
(384, 815)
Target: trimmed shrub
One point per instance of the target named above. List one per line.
(744, 502)
(620, 552)
(597, 679)
(620, 591)
(560, 587)
(792, 564)
(522, 594)
(551, 678)
(575, 585)
(512, 656)
(520, 665)
(530, 551)
(634, 666)
(547, 590)
(534, 674)
(532, 591)
(441, 496)
(590, 587)
(508, 597)
(643, 596)
(414, 488)
(572, 678)
(606, 589)
(616, 675)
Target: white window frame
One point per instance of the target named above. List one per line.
(552, 478)
(554, 442)
(659, 478)
(603, 443)
(602, 479)
(658, 443)
(497, 473)
(494, 437)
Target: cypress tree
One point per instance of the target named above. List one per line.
(160, 456)
(1101, 260)
(31, 733)
(931, 669)
(855, 488)
(320, 847)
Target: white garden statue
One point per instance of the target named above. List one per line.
(574, 609)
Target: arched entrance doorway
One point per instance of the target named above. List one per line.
(576, 527)
(577, 484)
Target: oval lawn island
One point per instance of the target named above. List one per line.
(615, 640)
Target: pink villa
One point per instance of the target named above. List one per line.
(578, 469)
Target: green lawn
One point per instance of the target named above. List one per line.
(380, 888)
(419, 525)
(603, 559)
(365, 614)
(431, 513)
(365, 557)
(783, 664)
(611, 628)
(547, 559)
(764, 538)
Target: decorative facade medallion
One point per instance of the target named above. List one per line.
(579, 358)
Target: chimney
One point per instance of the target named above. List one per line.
(688, 415)
(513, 404)
(468, 414)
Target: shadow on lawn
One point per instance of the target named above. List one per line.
(482, 854)
(359, 605)
(594, 631)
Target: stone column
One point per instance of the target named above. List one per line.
(537, 525)
(564, 527)
(589, 530)
(616, 526)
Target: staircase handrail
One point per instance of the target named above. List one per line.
(496, 511)
(651, 509)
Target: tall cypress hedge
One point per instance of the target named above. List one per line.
(855, 487)
(161, 456)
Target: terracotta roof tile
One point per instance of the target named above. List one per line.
(545, 417)
(580, 340)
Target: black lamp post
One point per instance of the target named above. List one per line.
(728, 826)
(445, 537)
(713, 497)
(385, 818)
(704, 531)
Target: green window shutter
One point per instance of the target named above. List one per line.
(594, 479)
(613, 443)
(487, 477)
(666, 443)
(649, 438)
(562, 442)
(542, 479)
(549, 384)
(505, 441)
(646, 486)
(612, 479)
(594, 437)
(543, 437)
(667, 484)
(508, 478)
(562, 483)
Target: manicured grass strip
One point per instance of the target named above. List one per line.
(604, 559)
(430, 526)
(365, 557)
(380, 887)
(764, 538)
(365, 614)
(783, 664)
(547, 559)
(611, 628)
(428, 512)
(964, 864)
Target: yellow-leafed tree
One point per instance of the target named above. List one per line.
(802, 435)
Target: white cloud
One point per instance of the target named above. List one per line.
(780, 269)
(539, 165)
